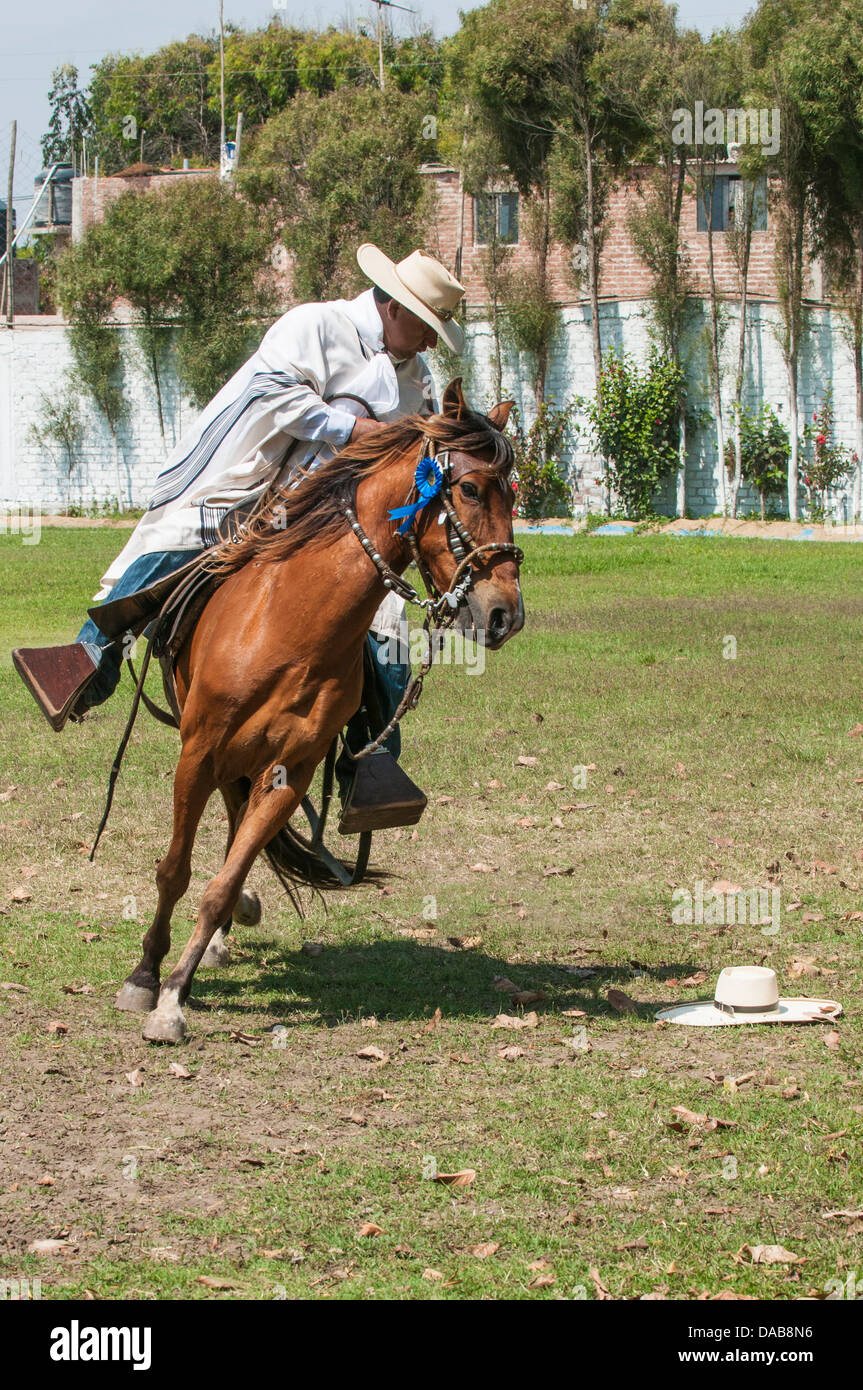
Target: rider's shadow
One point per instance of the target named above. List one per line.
(403, 979)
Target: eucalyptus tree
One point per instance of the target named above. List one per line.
(772, 36)
(527, 74)
(651, 68)
(825, 78)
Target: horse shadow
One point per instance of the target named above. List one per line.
(402, 979)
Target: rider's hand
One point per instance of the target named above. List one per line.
(363, 427)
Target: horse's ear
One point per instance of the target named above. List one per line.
(499, 414)
(454, 402)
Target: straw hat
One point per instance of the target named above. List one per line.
(750, 994)
(421, 284)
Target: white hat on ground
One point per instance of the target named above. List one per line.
(750, 994)
(421, 284)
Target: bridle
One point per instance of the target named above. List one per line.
(440, 608)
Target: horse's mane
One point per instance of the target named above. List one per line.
(309, 507)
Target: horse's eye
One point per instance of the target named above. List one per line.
(469, 490)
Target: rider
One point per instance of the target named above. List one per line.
(281, 410)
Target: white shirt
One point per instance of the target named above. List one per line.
(248, 433)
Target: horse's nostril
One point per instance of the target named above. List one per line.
(498, 623)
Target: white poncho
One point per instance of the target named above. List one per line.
(250, 431)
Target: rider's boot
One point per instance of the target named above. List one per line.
(380, 796)
(57, 676)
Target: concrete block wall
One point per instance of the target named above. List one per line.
(35, 364)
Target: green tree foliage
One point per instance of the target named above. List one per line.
(167, 95)
(70, 117)
(338, 170)
(215, 290)
(635, 428)
(261, 74)
(542, 486)
(765, 448)
(828, 462)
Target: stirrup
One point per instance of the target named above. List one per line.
(381, 796)
(57, 676)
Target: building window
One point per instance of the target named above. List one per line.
(496, 217)
(726, 200)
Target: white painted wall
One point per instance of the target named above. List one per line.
(35, 361)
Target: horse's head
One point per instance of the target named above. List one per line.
(474, 513)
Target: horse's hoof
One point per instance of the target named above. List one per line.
(247, 913)
(218, 952)
(135, 999)
(165, 1024)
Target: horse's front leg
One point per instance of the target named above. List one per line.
(247, 912)
(192, 791)
(270, 808)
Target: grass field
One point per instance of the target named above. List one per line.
(260, 1170)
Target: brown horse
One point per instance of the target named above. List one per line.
(273, 668)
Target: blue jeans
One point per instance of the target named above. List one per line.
(141, 573)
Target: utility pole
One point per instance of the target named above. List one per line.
(222, 80)
(9, 267)
(390, 6)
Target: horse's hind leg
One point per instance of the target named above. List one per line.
(268, 811)
(140, 990)
(247, 912)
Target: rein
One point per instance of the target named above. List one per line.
(440, 609)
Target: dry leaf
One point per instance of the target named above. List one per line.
(77, 989)
(433, 1275)
(434, 1022)
(136, 1077)
(418, 932)
(369, 1228)
(511, 1053)
(177, 1069)
(522, 761)
(237, 1035)
(528, 996)
(47, 1247)
(515, 1021)
(546, 1280)
(465, 943)
(210, 1283)
(601, 1291)
(856, 731)
(463, 1178)
(620, 1002)
(373, 1054)
(482, 868)
(484, 1250)
(356, 1118)
(503, 985)
(10, 984)
(19, 895)
(47, 1181)
(832, 1039)
(724, 885)
(312, 948)
(768, 1255)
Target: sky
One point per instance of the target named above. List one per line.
(34, 42)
